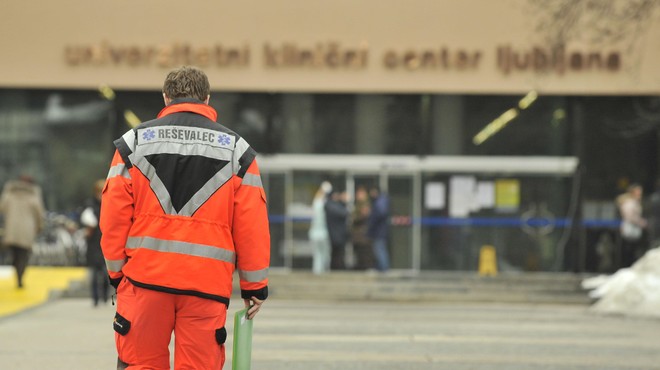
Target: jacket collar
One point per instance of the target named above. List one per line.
(189, 105)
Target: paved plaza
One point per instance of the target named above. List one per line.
(71, 334)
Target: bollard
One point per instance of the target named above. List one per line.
(487, 261)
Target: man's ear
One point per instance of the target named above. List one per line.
(208, 97)
(166, 100)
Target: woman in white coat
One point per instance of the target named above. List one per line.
(318, 230)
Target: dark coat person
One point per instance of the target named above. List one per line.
(99, 283)
(336, 215)
(378, 228)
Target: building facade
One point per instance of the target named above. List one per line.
(512, 123)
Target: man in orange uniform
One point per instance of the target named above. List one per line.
(182, 207)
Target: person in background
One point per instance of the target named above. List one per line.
(99, 283)
(654, 217)
(361, 243)
(22, 205)
(632, 224)
(336, 214)
(378, 227)
(318, 230)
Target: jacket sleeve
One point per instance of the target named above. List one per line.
(116, 217)
(251, 232)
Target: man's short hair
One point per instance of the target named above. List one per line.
(187, 82)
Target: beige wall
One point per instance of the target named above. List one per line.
(132, 41)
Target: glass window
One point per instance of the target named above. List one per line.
(61, 138)
(540, 129)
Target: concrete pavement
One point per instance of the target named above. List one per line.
(71, 334)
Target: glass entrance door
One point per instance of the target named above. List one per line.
(402, 193)
(275, 185)
(291, 194)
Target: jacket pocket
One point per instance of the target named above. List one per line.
(221, 335)
(121, 325)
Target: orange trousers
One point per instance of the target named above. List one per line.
(147, 319)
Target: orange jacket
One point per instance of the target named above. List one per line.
(183, 206)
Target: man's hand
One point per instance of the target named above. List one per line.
(255, 305)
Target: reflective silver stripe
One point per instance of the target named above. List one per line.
(186, 135)
(241, 147)
(251, 179)
(118, 170)
(203, 194)
(129, 139)
(253, 276)
(208, 151)
(114, 265)
(186, 141)
(155, 183)
(174, 246)
(163, 195)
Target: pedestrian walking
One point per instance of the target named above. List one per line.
(22, 205)
(182, 208)
(89, 218)
(318, 230)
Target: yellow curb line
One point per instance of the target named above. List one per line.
(38, 281)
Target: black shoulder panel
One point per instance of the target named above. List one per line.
(245, 161)
(124, 151)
